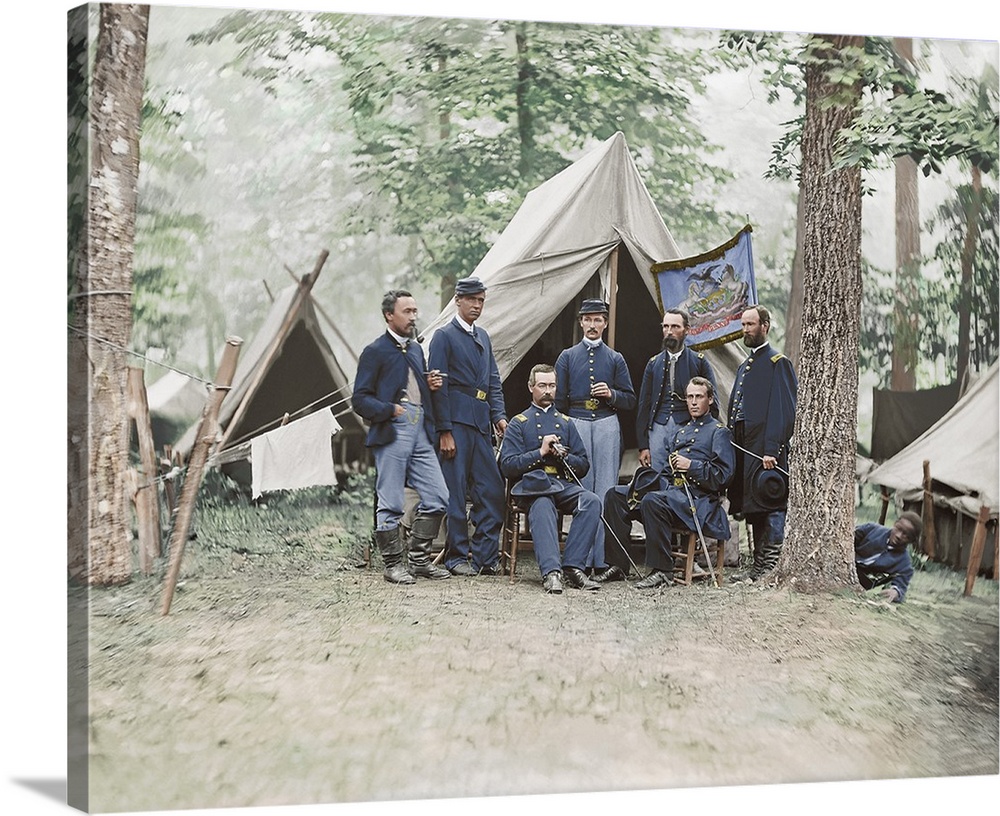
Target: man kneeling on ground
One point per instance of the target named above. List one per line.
(881, 557)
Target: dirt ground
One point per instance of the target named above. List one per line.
(282, 676)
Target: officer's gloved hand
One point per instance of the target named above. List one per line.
(891, 595)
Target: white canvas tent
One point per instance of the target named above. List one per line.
(288, 367)
(175, 401)
(592, 230)
(963, 449)
(963, 452)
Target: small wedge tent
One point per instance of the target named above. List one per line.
(591, 230)
(288, 368)
(962, 450)
(175, 401)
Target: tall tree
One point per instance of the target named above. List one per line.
(906, 314)
(817, 554)
(924, 129)
(101, 289)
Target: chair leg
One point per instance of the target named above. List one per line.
(515, 544)
(692, 542)
(686, 554)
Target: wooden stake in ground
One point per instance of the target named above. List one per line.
(927, 511)
(147, 509)
(207, 431)
(976, 553)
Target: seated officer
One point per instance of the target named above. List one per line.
(544, 451)
(701, 462)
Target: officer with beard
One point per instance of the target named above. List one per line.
(761, 416)
(662, 403)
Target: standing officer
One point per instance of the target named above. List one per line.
(393, 393)
(468, 408)
(661, 397)
(761, 416)
(540, 448)
(592, 386)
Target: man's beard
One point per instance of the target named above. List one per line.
(673, 344)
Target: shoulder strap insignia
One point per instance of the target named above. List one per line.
(777, 357)
(520, 418)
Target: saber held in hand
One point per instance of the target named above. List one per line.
(697, 522)
(758, 456)
(561, 452)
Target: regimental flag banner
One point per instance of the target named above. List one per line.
(713, 288)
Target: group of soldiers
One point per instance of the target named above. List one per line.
(433, 425)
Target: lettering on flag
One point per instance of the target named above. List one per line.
(714, 288)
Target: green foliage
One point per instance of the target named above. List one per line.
(984, 294)
(456, 120)
(896, 118)
(939, 296)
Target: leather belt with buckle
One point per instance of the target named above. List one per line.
(472, 392)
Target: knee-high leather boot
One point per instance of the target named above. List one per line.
(390, 544)
(423, 532)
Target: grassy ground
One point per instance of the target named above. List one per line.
(284, 674)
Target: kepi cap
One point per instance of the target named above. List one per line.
(594, 306)
(469, 286)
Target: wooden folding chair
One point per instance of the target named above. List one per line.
(517, 533)
(685, 549)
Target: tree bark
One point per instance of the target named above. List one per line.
(793, 314)
(100, 554)
(973, 213)
(818, 554)
(906, 310)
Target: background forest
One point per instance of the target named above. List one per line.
(405, 144)
(35, 140)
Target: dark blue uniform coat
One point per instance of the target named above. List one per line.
(876, 563)
(519, 455)
(468, 403)
(764, 394)
(379, 385)
(471, 393)
(579, 367)
(656, 403)
(708, 444)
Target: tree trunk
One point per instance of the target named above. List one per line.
(973, 212)
(793, 315)
(100, 554)
(525, 115)
(906, 311)
(818, 553)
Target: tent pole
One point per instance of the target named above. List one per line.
(976, 554)
(885, 506)
(930, 537)
(207, 431)
(613, 296)
(146, 498)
